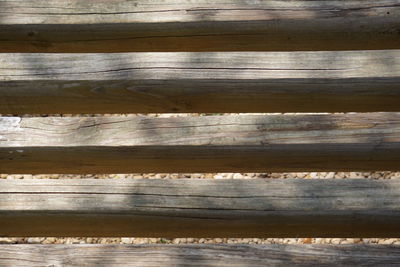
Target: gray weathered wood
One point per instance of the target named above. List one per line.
(199, 255)
(200, 82)
(200, 208)
(202, 25)
(230, 143)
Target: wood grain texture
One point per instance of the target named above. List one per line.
(200, 82)
(203, 25)
(200, 208)
(198, 255)
(230, 143)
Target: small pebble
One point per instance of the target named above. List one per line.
(237, 176)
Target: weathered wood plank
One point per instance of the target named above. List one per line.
(200, 82)
(200, 208)
(198, 255)
(231, 143)
(203, 25)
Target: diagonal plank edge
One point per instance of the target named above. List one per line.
(183, 25)
(200, 208)
(230, 143)
(323, 81)
(200, 255)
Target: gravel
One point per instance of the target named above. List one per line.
(130, 240)
(296, 175)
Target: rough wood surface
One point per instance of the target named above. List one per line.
(203, 25)
(200, 208)
(200, 82)
(199, 255)
(229, 143)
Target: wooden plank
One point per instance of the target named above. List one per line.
(200, 208)
(230, 143)
(200, 82)
(203, 25)
(198, 255)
